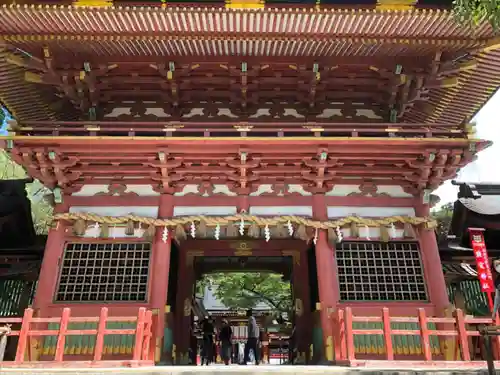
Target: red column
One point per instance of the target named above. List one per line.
(185, 289)
(303, 326)
(160, 273)
(433, 270)
(49, 271)
(327, 277)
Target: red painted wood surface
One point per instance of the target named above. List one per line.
(386, 320)
(344, 332)
(142, 332)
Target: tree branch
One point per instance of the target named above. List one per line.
(265, 298)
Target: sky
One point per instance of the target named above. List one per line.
(486, 168)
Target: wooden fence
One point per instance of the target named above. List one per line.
(37, 327)
(449, 327)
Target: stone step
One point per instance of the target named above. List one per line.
(244, 370)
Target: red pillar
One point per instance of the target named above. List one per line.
(185, 289)
(49, 271)
(433, 270)
(303, 326)
(160, 274)
(327, 277)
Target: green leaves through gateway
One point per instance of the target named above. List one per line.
(475, 12)
(240, 291)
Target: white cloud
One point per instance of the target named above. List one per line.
(487, 167)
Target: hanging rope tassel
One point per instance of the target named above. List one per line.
(180, 233)
(384, 234)
(332, 236)
(231, 231)
(149, 233)
(254, 231)
(130, 228)
(104, 230)
(202, 229)
(301, 233)
(354, 230)
(79, 227)
(409, 231)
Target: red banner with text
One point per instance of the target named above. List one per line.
(482, 261)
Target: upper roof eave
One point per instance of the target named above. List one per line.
(368, 21)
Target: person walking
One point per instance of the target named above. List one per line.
(207, 328)
(225, 337)
(252, 339)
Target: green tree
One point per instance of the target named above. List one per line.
(240, 290)
(474, 12)
(40, 209)
(443, 217)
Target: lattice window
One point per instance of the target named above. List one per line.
(375, 271)
(104, 272)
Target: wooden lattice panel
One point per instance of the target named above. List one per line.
(376, 271)
(104, 272)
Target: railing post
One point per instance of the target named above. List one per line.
(341, 334)
(139, 334)
(99, 340)
(349, 335)
(463, 338)
(4, 334)
(61, 336)
(424, 335)
(148, 333)
(386, 321)
(23, 335)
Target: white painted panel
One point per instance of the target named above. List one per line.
(343, 211)
(390, 190)
(199, 210)
(292, 188)
(91, 190)
(118, 232)
(147, 211)
(373, 233)
(342, 190)
(262, 189)
(281, 210)
(393, 191)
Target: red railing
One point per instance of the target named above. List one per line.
(228, 128)
(454, 327)
(142, 332)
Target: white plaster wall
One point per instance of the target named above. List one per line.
(281, 210)
(204, 210)
(343, 211)
(390, 190)
(114, 232)
(218, 189)
(147, 211)
(91, 190)
(373, 233)
(268, 189)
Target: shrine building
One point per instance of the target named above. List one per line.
(182, 138)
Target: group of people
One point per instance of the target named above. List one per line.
(226, 340)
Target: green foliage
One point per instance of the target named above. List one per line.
(241, 290)
(443, 217)
(40, 209)
(474, 12)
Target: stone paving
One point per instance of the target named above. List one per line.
(242, 370)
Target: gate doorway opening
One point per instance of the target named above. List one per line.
(228, 286)
(284, 323)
